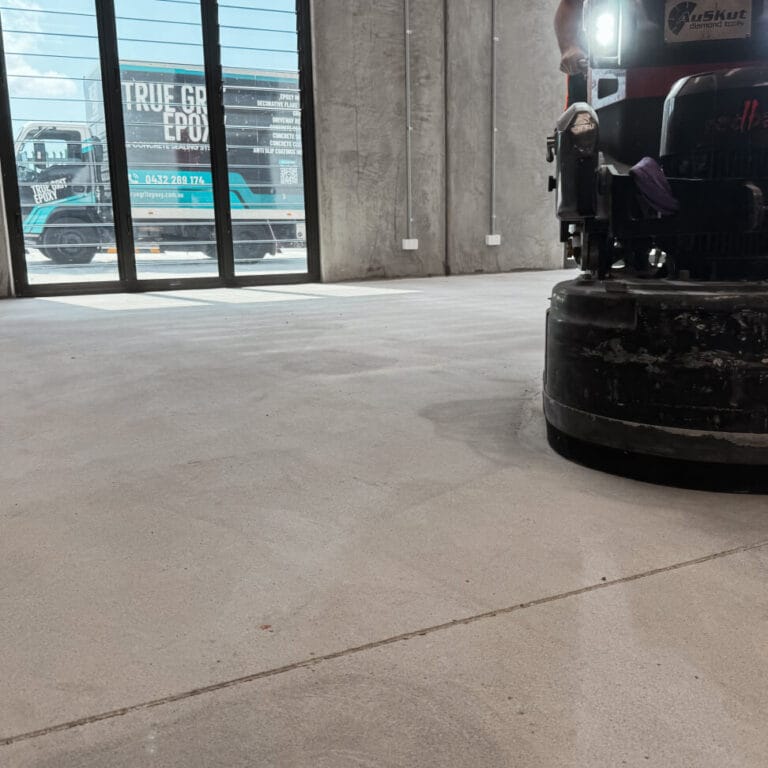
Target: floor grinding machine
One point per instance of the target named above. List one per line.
(657, 353)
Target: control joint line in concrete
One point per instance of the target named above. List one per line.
(172, 698)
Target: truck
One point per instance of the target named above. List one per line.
(63, 169)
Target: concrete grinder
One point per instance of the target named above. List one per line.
(657, 353)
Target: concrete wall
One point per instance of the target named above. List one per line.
(359, 73)
(360, 128)
(530, 97)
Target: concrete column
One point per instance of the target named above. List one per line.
(360, 129)
(531, 94)
(6, 274)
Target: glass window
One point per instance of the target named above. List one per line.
(54, 83)
(263, 130)
(53, 60)
(165, 110)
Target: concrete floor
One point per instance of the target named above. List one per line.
(238, 528)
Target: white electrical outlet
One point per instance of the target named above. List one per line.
(493, 239)
(410, 244)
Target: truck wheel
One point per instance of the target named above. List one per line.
(69, 240)
(245, 251)
(245, 247)
(242, 252)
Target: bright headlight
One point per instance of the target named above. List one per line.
(605, 30)
(602, 23)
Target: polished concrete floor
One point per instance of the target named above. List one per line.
(320, 526)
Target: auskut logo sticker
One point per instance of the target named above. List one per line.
(690, 21)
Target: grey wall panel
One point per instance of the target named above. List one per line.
(360, 105)
(360, 129)
(531, 95)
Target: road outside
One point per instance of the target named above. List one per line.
(166, 265)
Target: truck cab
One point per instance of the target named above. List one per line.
(62, 192)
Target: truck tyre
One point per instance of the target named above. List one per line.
(245, 251)
(69, 240)
(245, 247)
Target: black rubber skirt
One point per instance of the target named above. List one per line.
(671, 376)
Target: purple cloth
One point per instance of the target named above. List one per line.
(653, 187)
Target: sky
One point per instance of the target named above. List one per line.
(51, 46)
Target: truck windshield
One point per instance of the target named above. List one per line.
(36, 153)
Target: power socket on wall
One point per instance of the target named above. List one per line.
(493, 239)
(410, 244)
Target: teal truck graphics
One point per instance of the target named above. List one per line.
(64, 173)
